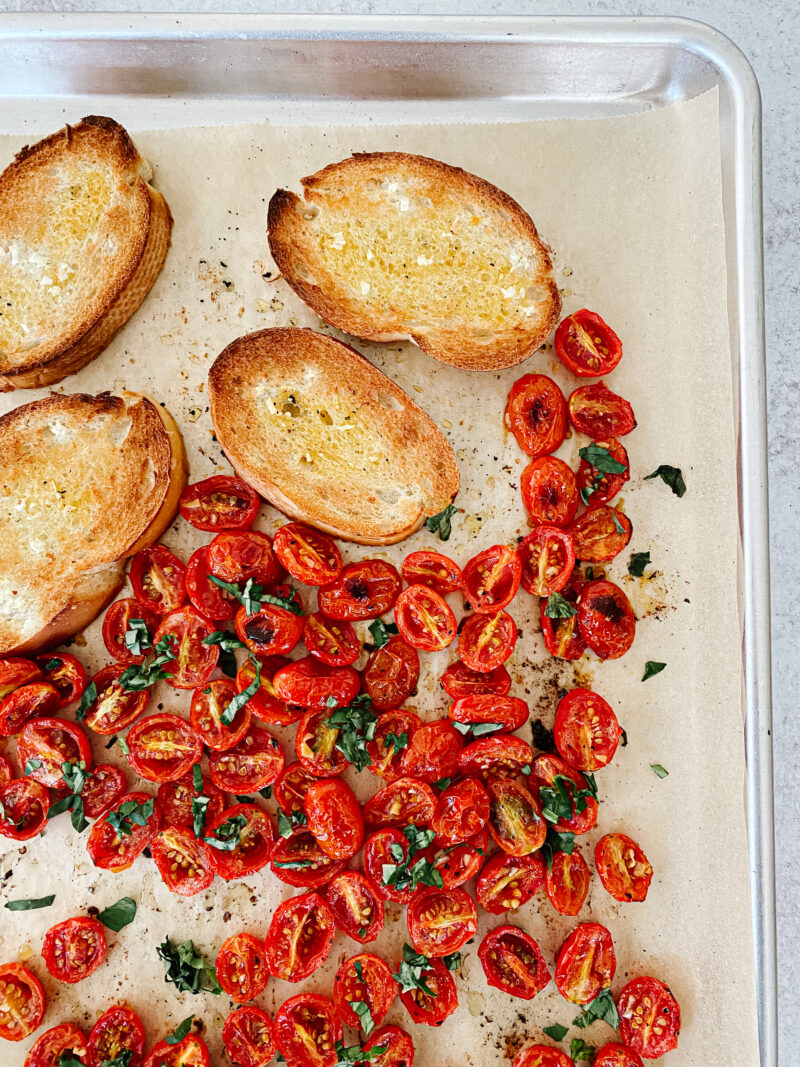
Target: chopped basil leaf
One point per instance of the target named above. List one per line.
(403, 874)
(526, 769)
(651, 667)
(443, 783)
(88, 698)
(75, 776)
(453, 962)
(186, 969)
(129, 814)
(289, 821)
(557, 1032)
(31, 904)
(602, 1007)
(119, 915)
(671, 476)
(123, 744)
(396, 741)
(361, 1008)
(250, 597)
(559, 608)
(239, 701)
(440, 524)
(617, 524)
(580, 1052)
(228, 834)
(557, 842)
(354, 1053)
(380, 631)
(137, 637)
(356, 724)
(52, 664)
(199, 810)
(283, 602)
(151, 670)
(180, 1032)
(409, 974)
(31, 765)
(601, 459)
(266, 792)
(292, 865)
(658, 770)
(197, 778)
(477, 729)
(66, 1059)
(556, 801)
(122, 1059)
(639, 560)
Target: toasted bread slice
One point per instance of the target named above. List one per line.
(85, 482)
(327, 438)
(390, 246)
(82, 238)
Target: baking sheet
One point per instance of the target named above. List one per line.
(632, 209)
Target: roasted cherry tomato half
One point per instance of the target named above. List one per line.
(235, 557)
(32, 701)
(208, 711)
(242, 967)
(586, 731)
(23, 804)
(307, 554)
(432, 752)
(623, 867)
(596, 485)
(552, 773)
(334, 643)
(586, 345)
(566, 882)
(159, 579)
(129, 616)
(424, 618)
(513, 962)
(508, 882)
(432, 569)
(459, 680)
(174, 800)
(240, 840)
(486, 641)
(363, 979)
(606, 620)
(64, 1040)
(264, 704)
(163, 747)
(502, 713)
(114, 707)
(585, 964)
(252, 764)
(515, 819)
(307, 1030)
(441, 921)
(193, 661)
(391, 674)
(600, 534)
(615, 1055)
(312, 684)
(74, 949)
(21, 1002)
(247, 1037)
(536, 414)
(183, 861)
(291, 787)
(599, 413)
(649, 1017)
(299, 937)
(16, 671)
(396, 1045)
(364, 590)
(393, 733)
(316, 745)
(461, 811)
(432, 1010)
(299, 861)
(356, 905)
(334, 818)
(549, 491)
(501, 756)
(220, 503)
(562, 637)
(209, 598)
(547, 557)
(542, 1056)
(45, 745)
(403, 801)
(66, 673)
(384, 848)
(113, 851)
(192, 1051)
(491, 579)
(271, 631)
(458, 863)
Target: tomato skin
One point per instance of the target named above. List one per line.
(264, 704)
(356, 906)
(298, 860)
(221, 502)
(542, 1056)
(310, 684)
(205, 715)
(316, 1017)
(315, 746)
(567, 883)
(289, 959)
(377, 988)
(251, 764)
(364, 590)
(461, 811)
(159, 579)
(589, 943)
(377, 851)
(163, 747)
(385, 758)
(416, 801)
(6, 771)
(508, 882)
(16, 671)
(486, 641)
(192, 1051)
(399, 1048)
(599, 413)
(527, 975)
(116, 623)
(68, 676)
(600, 534)
(614, 1055)
(536, 414)
(193, 662)
(247, 1037)
(114, 707)
(432, 1011)
(52, 742)
(74, 949)
(606, 620)
(432, 752)
(548, 557)
(587, 345)
(623, 868)
(334, 818)
(16, 1024)
(546, 768)
(457, 864)
(596, 487)
(433, 570)
(254, 848)
(47, 1049)
(441, 921)
(515, 820)
(271, 631)
(509, 713)
(210, 599)
(291, 787)
(501, 756)
(237, 556)
(112, 853)
(183, 861)
(562, 637)
(459, 680)
(653, 1030)
(24, 806)
(103, 787)
(32, 701)
(549, 491)
(391, 674)
(174, 801)
(491, 579)
(334, 643)
(586, 730)
(424, 618)
(241, 967)
(309, 555)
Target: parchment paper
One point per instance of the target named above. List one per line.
(632, 209)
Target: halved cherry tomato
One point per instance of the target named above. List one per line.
(562, 637)
(183, 861)
(567, 882)
(458, 863)
(15, 671)
(247, 1037)
(35, 700)
(364, 590)
(235, 557)
(549, 770)
(508, 882)
(271, 631)
(118, 621)
(623, 867)
(586, 731)
(192, 1051)
(505, 713)
(432, 569)
(363, 979)
(491, 579)
(459, 680)
(209, 598)
(45, 745)
(241, 966)
(649, 1017)
(65, 1040)
(596, 486)
(549, 491)
(74, 949)
(163, 747)
(240, 840)
(606, 619)
(307, 1030)
(21, 1002)
(432, 753)
(501, 756)
(547, 556)
(515, 819)
(427, 1009)
(382, 848)
(334, 818)
(599, 413)
(397, 1046)
(441, 921)
(291, 787)
(159, 579)
(264, 704)
(114, 708)
(486, 641)
(600, 534)
(299, 861)
(193, 661)
(615, 1055)
(587, 345)
(6, 771)
(119, 1029)
(585, 964)
(113, 851)
(391, 674)
(299, 937)
(221, 502)
(513, 962)
(23, 804)
(316, 743)
(334, 643)
(307, 554)
(208, 706)
(393, 732)
(66, 673)
(312, 684)
(404, 801)
(461, 811)
(174, 800)
(536, 414)
(356, 905)
(542, 1056)
(424, 618)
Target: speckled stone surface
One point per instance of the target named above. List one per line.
(769, 34)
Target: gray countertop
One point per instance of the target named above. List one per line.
(769, 34)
